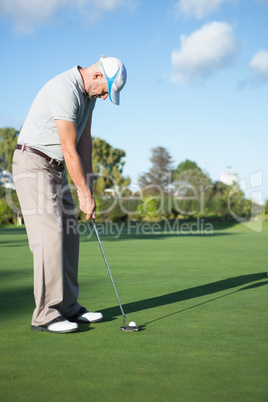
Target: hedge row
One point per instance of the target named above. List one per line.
(149, 209)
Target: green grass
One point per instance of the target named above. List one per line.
(200, 300)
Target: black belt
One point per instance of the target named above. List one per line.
(37, 152)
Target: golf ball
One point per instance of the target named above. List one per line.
(132, 324)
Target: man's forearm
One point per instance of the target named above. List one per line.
(68, 135)
(84, 150)
(75, 169)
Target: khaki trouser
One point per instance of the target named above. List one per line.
(48, 211)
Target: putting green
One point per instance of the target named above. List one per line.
(199, 298)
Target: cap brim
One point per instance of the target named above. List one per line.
(114, 96)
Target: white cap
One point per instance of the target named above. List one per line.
(116, 75)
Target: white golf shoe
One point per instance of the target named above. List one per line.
(57, 326)
(85, 317)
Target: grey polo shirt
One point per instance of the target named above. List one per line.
(62, 98)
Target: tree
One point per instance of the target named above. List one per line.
(108, 164)
(189, 178)
(8, 141)
(105, 157)
(160, 173)
(191, 187)
(186, 165)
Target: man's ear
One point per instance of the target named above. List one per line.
(97, 76)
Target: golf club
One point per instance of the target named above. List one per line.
(127, 328)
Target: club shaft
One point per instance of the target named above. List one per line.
(108, 268)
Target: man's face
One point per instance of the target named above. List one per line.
(98, 91)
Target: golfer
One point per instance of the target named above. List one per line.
(57, 132)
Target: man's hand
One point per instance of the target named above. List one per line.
(87, 204)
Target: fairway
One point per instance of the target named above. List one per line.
(199, 299)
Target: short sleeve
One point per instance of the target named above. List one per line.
(64, 105)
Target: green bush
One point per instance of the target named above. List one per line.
(266, 207)
(2, 192)
(6, 213)
(113, 209)
(150, 209)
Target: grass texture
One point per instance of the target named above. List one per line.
(199, 299)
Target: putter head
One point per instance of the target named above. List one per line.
(128, 328)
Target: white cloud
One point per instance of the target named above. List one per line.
(204, 52)
(259, 65)
(198, 8)
(98, 7)
(26, 15)
(107, 5)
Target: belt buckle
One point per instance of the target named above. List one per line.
(54, 162)
(58, 163)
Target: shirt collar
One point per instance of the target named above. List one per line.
(79, 79)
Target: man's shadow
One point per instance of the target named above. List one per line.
(191, 293)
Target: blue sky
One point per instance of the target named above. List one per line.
(197, 75)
